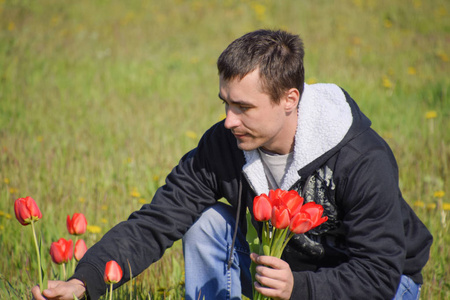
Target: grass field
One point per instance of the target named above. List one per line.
(99, 100)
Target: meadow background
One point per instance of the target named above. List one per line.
(100, 99)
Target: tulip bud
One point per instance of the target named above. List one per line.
(262, 208)
(113, 272)
(61, 251)
(26, 210)
(80, 249)
(77, 225)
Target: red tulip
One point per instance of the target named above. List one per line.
(300, 223)
(80, 249)
(315, 211)
(61, 251)
(77, 225)
(113, 272)
(280, 217)
(293, 201)
(262, 208)
(26, 210)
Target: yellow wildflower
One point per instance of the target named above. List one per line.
(2, 227)
(443, 56)
(11, 26)
(419, 204)
(142, 201)
(134, 193)
(6, 180)
(387, 23)
(431, 206)
(104, 207)
(82, 179)
(155, 177)
(40, 138)
(13, 190)
(191, 134)
(259, 10)
(431, 114)
(93, 229)
(8, 216)
(82, 200)
(412, 71)
(2, 213)
(387, 82)
(311, 80)
(446, 206)
(103, 220)
(439, 194)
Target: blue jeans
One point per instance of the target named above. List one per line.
(206, 248)
(407, 289)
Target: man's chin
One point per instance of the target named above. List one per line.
(246, 146)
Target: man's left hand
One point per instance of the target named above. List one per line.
(273, 277)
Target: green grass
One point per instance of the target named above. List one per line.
(99, 100)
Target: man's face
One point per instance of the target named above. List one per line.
(254, 119)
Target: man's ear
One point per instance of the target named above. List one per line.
(292, 98)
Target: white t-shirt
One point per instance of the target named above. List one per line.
(275, 166)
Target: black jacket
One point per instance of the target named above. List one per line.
(371, 237)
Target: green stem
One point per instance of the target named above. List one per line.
(64, 271)
(38, 256)
(110, 291)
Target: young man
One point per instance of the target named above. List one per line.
(278, 133)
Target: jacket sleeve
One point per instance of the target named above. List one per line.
(143, 238)
(370, 200)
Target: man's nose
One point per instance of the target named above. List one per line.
(232, 119)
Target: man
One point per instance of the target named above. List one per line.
(278, 133)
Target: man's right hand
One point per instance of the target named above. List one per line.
(61, 290)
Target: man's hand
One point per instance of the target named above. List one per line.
(60, 290)
(273, 277)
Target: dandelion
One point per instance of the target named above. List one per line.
(134, 193)
(2, 228)
(2, 213)
(8, 216)
(311, 80)
(431, 114)
(439, 194)
(93, 229)
(13, 190)
(104, 207)
(431, 206)
(446, 206)
(443, 56)
(412, 71)
(142, 201)
(440, 12)
(11, 26)
(419, 203)
(81, 200)
(155, 178)
(6, 180)
(191, 134)
(387, 23)
(386, 82)
(259, 10)
(103, 220)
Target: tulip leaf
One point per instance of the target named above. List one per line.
(43, 273)
(253, 242)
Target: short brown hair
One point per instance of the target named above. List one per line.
(277, 54)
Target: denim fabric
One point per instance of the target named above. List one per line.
(407, 289)
(206, 248)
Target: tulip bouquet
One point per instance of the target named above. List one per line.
(283, 214)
